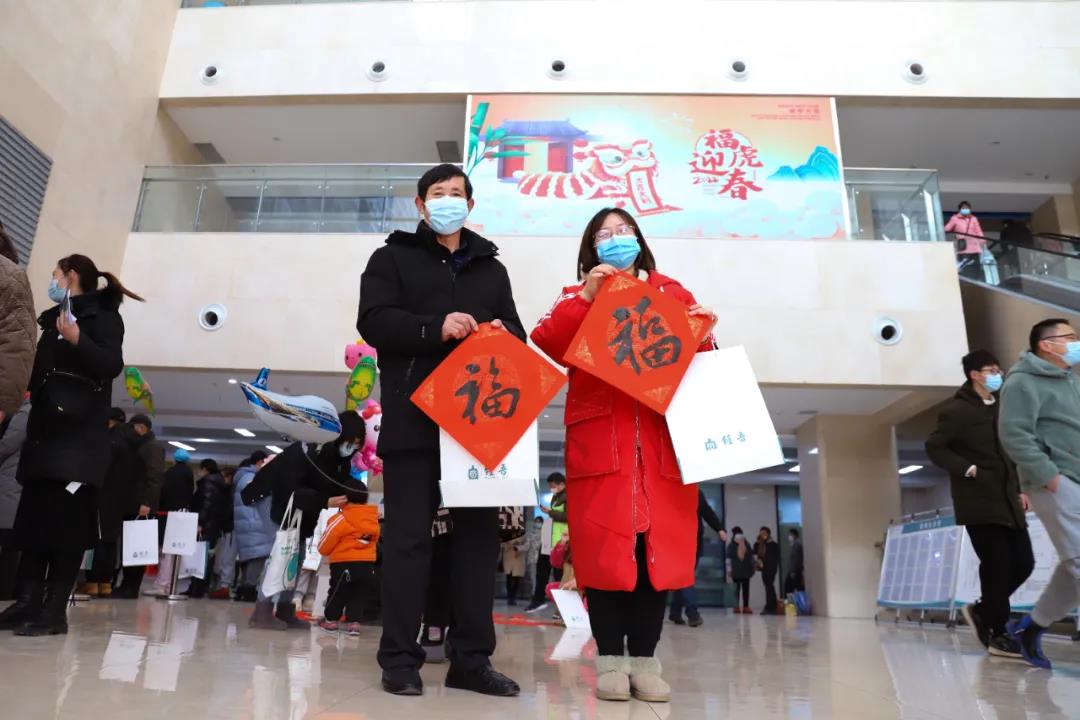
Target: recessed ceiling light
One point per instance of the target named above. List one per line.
(181, 445)
(813, 451)
(907, 470)
(201, 440)
(995, 142)
(274, 449)
(243, 432)
(794, 468)
(232, 381)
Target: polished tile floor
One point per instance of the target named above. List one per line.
(198, 659)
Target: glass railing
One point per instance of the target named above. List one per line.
(894, 204)
(885, 204)
(1044, 268)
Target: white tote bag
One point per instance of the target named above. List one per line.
(312, 557)
(718, 420)
(181, 533)
(283, 565)
(466, 482)
(194, 565)
(140, 542)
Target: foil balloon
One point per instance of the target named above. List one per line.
(138, 389)
(366, 459)
(306, 418)
(362, 359)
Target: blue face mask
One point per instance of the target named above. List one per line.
(1072, 353)
(619, 252)
(56, 293)
(446, 215)
(994, 382)
(965, 211)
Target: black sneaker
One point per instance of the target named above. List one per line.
(402, 682)
(1003, 646)
(974, 619)
(677, 619)
(484, 680)
(695, 621)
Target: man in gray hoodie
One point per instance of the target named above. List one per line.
(1040, 430)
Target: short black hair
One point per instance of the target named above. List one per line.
(963, 204)
(976, 360)
(794, 532)
(737, 530)
(1041, 331)
(442, 173)
(257, 457)
(767, 530)
(357, 492)
(118, 415)
(210, 465)
(352, 427)
(556, 477)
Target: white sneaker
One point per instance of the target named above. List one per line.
(538, 608)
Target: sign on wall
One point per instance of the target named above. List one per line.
(686, 166)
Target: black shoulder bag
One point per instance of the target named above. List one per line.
(69, 397)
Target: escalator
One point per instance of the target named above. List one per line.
(1031, 277)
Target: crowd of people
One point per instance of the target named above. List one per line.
(621, 528)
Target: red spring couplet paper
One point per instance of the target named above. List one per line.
(488, 391)
(638, 340)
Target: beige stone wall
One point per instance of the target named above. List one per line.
(1057, 215)
(80, 79)
(1000, 322)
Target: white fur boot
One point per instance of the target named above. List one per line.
(612, 677)
(645, 681)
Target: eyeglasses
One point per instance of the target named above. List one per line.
(1071, 337)
(607, 233)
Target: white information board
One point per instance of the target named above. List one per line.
(919, 569)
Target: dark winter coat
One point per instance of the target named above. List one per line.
(705, 515)
(254, 529)
(795, 558)
(179, 490)
(63, 449)
(12, 436)
(213, 502)
(966, 435)
(409, 287)
(741, 569)
(17, 335)
(310, 475)
(768, 553)
(134, 478)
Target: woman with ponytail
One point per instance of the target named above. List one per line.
(64, 459)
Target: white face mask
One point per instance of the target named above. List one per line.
(346, 449)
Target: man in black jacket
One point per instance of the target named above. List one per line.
(687, 597)
(421, 295)
(767, 553)
(136, 477)
(986, 497)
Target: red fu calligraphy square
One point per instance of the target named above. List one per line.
(488, 391)
(638, 340)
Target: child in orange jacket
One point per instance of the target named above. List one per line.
(350, 542)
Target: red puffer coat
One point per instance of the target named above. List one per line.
(608, 502)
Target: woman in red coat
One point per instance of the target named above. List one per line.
(633, 524)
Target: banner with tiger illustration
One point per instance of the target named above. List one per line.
(685, 166)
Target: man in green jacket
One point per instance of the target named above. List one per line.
(1040, 429)
(986, 498)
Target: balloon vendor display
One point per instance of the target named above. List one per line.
(138, 389)
(306, 418)
(362, 359)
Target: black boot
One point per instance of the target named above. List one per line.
(286, 612)
(53, 617)
(25, 608)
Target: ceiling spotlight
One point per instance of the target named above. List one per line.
(274, 449)
(907, 470)
(201, 440)
(813, 451)
(182, 446)
(243, 432)
(232, 381)
(794, 468)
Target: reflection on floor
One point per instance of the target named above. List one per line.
(198, 659)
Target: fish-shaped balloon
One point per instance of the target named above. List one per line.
(357, 351)
(138, 389)
(306, 418)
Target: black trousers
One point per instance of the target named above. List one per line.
(53, 529)
(794, 582)
(770, 592)
(437, 607)
(352, 591)
(628, 622)
(9, 564)
(1005, 562)
(104, 566)
(411, 495)
(742, 593)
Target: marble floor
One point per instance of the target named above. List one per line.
(198, 659)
